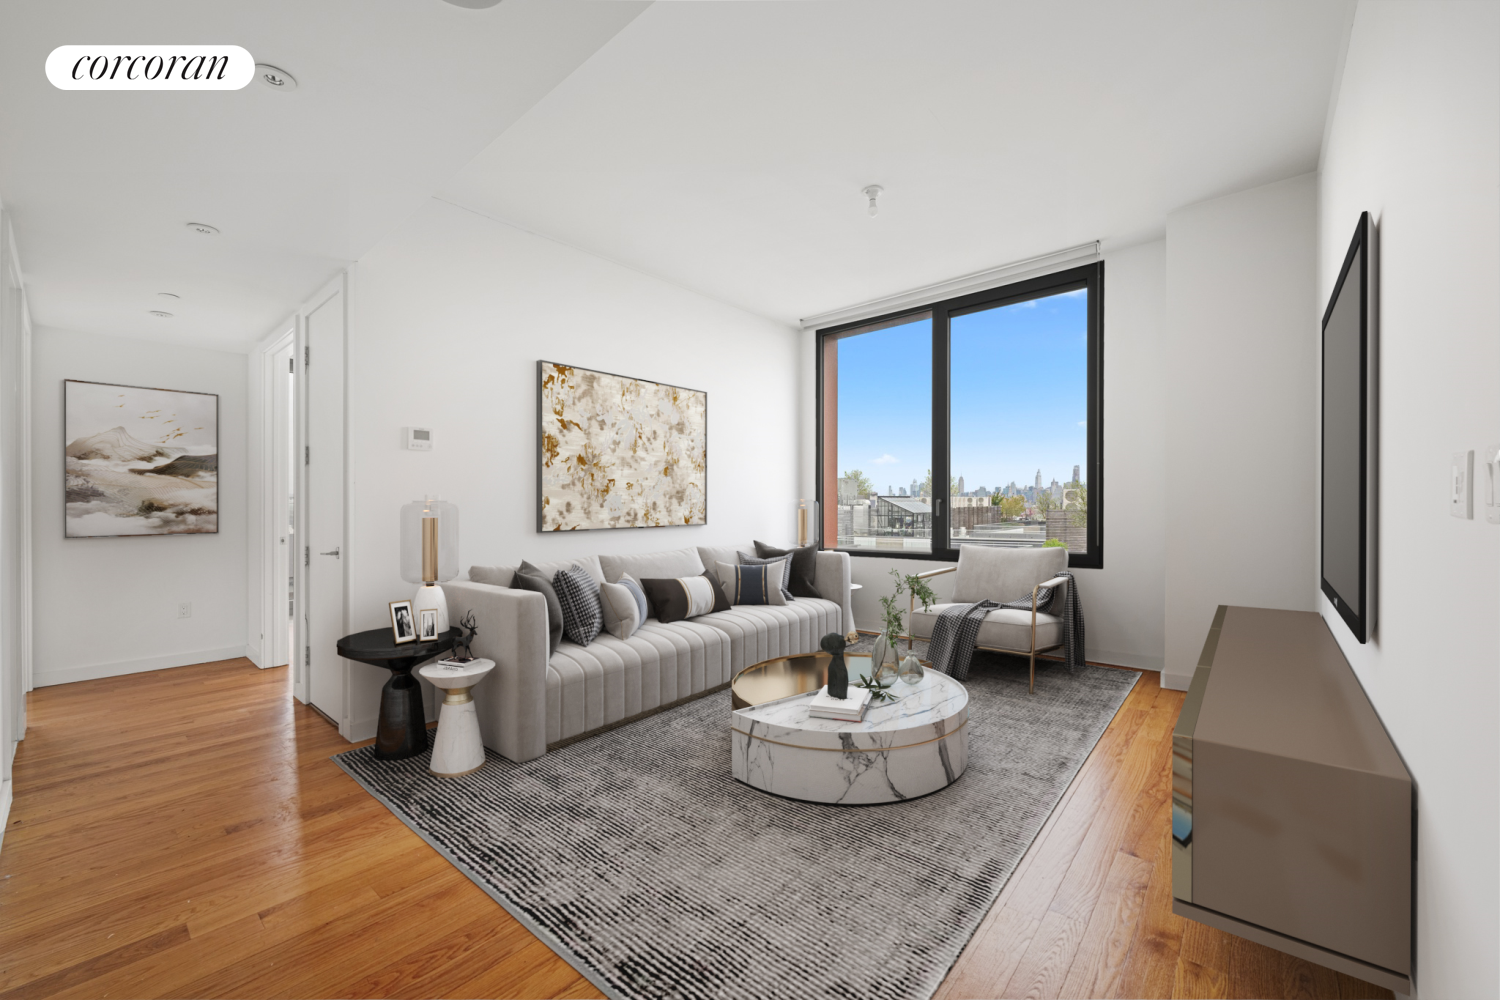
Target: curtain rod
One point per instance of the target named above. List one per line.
(978, 281)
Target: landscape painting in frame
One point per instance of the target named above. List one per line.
(617, 452)
(140, 461)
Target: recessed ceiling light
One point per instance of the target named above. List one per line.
(161, 315)
(275, 77)
(169, 295)
(203, 229)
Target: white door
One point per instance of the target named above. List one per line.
(322, 373)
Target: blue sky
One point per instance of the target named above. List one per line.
(1019, 396)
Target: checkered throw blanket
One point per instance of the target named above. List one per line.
(956, 632)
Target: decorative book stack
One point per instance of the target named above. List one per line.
(850, 709)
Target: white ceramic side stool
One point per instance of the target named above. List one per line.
(458, 748)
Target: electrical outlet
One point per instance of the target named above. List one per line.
(185, 609)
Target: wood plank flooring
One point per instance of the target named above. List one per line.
(183, 834)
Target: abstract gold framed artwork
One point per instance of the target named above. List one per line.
(618, 452)
(139, 461)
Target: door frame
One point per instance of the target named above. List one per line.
(263, 513)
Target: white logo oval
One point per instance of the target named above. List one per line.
(150, 67)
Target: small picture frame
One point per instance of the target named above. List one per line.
(403, 625)
(427, 625)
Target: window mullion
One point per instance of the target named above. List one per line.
(942, 501)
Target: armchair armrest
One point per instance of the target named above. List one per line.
(937, 572)
(1056, 581)
(512, 630)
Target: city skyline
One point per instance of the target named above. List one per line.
(1019, 399)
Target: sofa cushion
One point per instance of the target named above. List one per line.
(1004, 574)
(582, 611)
(528, 577)
(803, 566)
(657, 565)
(746, 559)
(679, 598)
(1003, 628)
(624, 607)
(752, 584)
(612, 679)
(763, 632)
(495, 576)
(713, 555)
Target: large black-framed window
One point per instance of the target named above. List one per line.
(999, 394)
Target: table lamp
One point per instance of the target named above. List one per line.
(807, 521)
(429, 554)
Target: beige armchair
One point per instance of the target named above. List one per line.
(1003, 575)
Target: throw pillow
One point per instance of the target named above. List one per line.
(803, 566)
(746, 559)
(582, 612)
(528, 577)
(721, 599)
(679, 598)
(624, 606)
(752, 584)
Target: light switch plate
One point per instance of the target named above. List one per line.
(1461, 498)
(1491, 475)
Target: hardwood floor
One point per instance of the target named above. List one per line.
(183, 834)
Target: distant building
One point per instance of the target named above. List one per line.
(916, 488)
(961, 487)
(901, 492)
(1038, 484)
(1075, 475)
(890, 491)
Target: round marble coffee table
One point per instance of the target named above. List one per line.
(914, 747)
(458, 748)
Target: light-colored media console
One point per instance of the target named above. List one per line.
(1292, 814)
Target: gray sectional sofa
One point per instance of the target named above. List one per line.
(533, 699)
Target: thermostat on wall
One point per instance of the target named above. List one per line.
(419, 438)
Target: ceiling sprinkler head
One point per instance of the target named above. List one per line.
(203, 229)
(275, 77)
(873, 192)
(161, 315)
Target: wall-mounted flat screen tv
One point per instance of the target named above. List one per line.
(1349, 490)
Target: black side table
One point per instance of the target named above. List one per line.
(402, 730)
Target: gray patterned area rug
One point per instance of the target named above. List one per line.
(639, 860)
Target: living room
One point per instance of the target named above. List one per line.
(710, 198)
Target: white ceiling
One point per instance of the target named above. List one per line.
(722, 146)
(393, 97)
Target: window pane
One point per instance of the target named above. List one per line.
(877, 437)
(1019, 426)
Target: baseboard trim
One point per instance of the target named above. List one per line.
(48, 676)
(1176, 682)
(5, 800)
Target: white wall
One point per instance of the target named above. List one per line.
(108, 606)
(452, 312)
(1240, 399)
(15, 509)
(1415, 141)
(1123, 602)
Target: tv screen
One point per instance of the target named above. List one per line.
(1348, 440)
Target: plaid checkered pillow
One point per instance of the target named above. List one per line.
(582, 614)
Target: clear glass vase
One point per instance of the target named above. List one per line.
(885, 669)
(911, 670)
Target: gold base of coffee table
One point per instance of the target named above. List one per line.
(786, 676)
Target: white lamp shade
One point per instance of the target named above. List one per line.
(429, 541)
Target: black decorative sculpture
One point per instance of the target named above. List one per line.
(838, 674)
(470, 629)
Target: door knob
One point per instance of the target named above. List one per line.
(334, 553)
